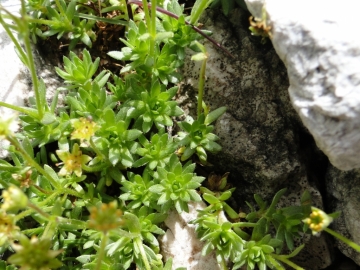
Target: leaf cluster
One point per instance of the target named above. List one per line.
(257, 241)
(109, 142)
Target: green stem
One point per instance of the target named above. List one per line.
(287, 261)
(153, 28)
(223, 262)
(201, 87)
(29, 111)
(139, 243)
(75, 224)
(32, 162)
(47, 201)
(12, 37)
(96, 150)
(50, 229)
(72, 193)
(31, 66)
(101, 252)
(38, 210)
(97, 168)
(343, 239)
(44, 202)
(147, 15)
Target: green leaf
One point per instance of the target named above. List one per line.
(260, 230)
(131, 135)
(51, 172)
(26, 144)
(156, 188)
(48, 118)
(132, 222)
(70, 11)
(212, 116)
(210, 198)
(163, 35)
(116, 55)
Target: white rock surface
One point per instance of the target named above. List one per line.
(12, 82)
(317, 43)
(181, 244)
(11, 66)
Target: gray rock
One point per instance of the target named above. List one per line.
(343, 189)
(259, 131)
(322, 56)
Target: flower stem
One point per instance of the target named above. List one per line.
(201, 87)
(32, 162)
(31, 63)
(287, 261)
(101, 253)
(343, 239)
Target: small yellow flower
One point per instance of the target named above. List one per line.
(14, 199)
(318, 220)
(84, 129)
(72, 161)
(35, 253)
(105, 217)
(7, 227)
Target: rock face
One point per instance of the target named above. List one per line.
(343, 189)
(323, 61)
(322, 58)
(259, 133)
(181, 243)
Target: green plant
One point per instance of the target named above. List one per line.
(88, 185)
(196, 136)
(74, 19)
(105, 139)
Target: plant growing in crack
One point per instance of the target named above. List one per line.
(118, 169)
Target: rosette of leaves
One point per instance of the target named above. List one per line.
(136, 242)
(48, 128)
(136, 193)
(156, 152)
(91, 103)
(287, 221)
(257, 255)
(218, 235)
(176, 185)
(137, 49)
(197, 136)
(153, 107)
(115, 139)
(184, 35)
(79, 73)
(61, 18)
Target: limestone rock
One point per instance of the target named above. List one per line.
(260, 130)
(181, 243)
(343, 189)
(322, 57)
